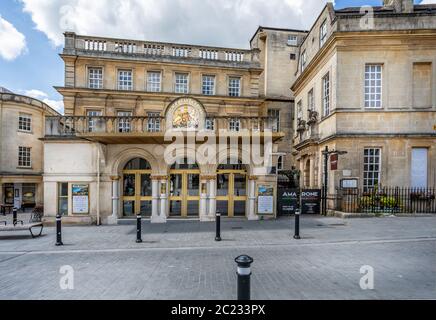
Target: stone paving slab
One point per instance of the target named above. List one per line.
(180, 260)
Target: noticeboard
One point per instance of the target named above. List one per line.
(311, 201)
(80, 198)
(265, 199)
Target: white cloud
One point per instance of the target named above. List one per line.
(58, 105)
(209, 22)
(13, 43)
(428, 2)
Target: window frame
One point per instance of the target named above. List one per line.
(124, 87)
(322, 35)
(230, 88)
(24, 157)
(176, 74)
(91, 122)
(25, 122)
(59, 197)
(153, 121)
(124, 124)
(235, 124)
(280, 163)
(212, 122)
(366, 171)
(326, 94)
(303, 60)
(149, 84)
(276, 117)
(311, 100)
(293, 43)
(203, 84)
(90, 68)
(371, 104)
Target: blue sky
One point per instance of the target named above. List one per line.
(37, 67)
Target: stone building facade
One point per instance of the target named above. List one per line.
(21, 152)
(366, 86)
(123, 97)
(360, 81)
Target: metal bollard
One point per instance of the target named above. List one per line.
(14, 216)
(244, 273)
(218, 227)
(59, 230)
(138, 229)
(297, 224)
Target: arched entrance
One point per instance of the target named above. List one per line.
(137, 188)
(184, 183)
(232, 189)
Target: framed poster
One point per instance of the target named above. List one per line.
(80, 194)
(265, 199)
(349, 183)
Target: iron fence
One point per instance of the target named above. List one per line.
(387, 200)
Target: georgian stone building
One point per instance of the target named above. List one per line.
(21, 152)
(362, 81)
(105, 159)
(366, 85)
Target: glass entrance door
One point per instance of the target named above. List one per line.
(137, 188)
(231, 192)
(184, 193)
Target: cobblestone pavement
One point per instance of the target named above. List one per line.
(180, 260)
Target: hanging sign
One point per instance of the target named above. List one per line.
(265, 199)
(80, 198)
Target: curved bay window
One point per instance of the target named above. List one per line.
(184, 182)
(137, 188)
(232, 188)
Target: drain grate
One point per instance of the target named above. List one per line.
(237, 228)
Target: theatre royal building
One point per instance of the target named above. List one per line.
(138, 113)
(170, 130)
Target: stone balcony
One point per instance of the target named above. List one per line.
(123, 49)
(151, 130)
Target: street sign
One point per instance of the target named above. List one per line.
(287, 201)
(311, 201)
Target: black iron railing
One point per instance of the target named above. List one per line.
(387, 200)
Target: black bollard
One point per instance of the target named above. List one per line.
(59, 230)
(218, 226)
(138, 229)
(297, 225)
(244, 273)
(15, 216)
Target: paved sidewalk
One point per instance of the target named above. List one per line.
(181, 260)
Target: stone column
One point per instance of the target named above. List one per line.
(162, 188)
(155, 199)
(113, 219)
(212, 198)
(252, 198)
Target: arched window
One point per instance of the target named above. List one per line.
(137, 164)
(184, 165)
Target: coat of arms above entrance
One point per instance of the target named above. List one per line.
(185, 114)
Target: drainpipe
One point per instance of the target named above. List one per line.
(98, 186)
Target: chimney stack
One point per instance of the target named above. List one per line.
(399, 6)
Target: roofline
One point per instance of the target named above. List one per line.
(276, 29)
(27, 97)
(157, 42)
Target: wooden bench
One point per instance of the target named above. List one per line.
(35, 222)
